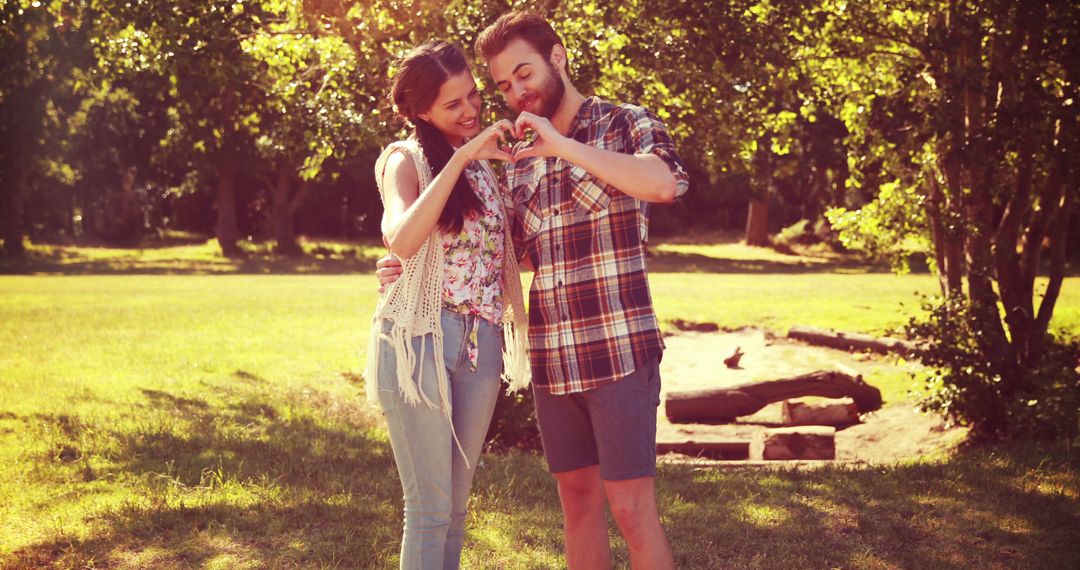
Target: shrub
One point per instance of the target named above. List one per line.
(964, 386)
(513, 425)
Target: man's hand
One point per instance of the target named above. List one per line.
(488, 145)
(388, 270)
(548, 142)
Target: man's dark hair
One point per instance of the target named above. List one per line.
(529, 26)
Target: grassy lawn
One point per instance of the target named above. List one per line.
(200, 420)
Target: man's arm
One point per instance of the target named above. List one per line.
(644, 176)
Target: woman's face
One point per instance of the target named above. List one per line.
(456, 110)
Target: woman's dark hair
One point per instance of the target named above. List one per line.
(414, 88)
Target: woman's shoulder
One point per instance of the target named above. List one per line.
(409, 146)
(396, 160)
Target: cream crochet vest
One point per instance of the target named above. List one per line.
(413, 304)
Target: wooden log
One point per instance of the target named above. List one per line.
(841, 412)
(807, 442)
(721, 405)
(849, 341)
(714, 449)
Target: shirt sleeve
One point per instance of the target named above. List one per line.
(647, 134)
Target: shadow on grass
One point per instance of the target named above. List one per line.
(677, 262)
(135, 265)
(965, 513)
(246, 474)
(240, 476)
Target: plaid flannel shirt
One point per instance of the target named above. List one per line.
(591, 320)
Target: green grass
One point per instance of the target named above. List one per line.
(216, 421)
(193, 255)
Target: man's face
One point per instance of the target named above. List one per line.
(527, 80)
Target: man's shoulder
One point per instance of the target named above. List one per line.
(616, 110)
(623, 118)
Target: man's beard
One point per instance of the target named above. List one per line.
(551, 93)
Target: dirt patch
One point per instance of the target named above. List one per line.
(694, 361)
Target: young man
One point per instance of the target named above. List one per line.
(581, 190)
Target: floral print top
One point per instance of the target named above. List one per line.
(474, 257)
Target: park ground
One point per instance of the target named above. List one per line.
(165, 407)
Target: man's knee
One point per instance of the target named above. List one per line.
(581, 491)
(633, 504)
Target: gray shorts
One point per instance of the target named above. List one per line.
(613, 426)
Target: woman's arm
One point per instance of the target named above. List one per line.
(409, 216)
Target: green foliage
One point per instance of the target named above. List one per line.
(964, 385)
(889, 228)
(513, 425)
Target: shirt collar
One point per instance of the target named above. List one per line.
(590, 111)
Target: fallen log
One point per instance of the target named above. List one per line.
(836, 412)
(714, 449)
(721, 405)
(848, 341)
(807, 442)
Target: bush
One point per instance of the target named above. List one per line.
(801, 232)
(513, 426)
(965, 387)
(805, 234)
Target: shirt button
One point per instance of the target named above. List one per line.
(556, 211)
(560, 282)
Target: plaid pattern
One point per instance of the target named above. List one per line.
(591, 319)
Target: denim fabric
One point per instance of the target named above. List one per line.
(434, 477)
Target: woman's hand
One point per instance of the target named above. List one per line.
(388, 270)
(488, 145)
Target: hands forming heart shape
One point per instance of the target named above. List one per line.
(496, 142)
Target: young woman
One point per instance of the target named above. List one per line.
(443, 331)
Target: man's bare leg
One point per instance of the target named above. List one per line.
(584, 524)
(633, 505)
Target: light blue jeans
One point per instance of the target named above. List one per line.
(434, 477)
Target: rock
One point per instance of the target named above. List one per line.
(838, 412)
(805, 442)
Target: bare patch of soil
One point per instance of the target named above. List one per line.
(694, 361)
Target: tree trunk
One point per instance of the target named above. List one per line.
(1058, 237)
(283, 211)
(280, 224)
(948, 250)
(13, 212)
(757, 223)
(227, 232)
(1017, 294)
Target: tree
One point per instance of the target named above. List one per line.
(35, 40)
(214, 97)
(308, 113)
(993, 88)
